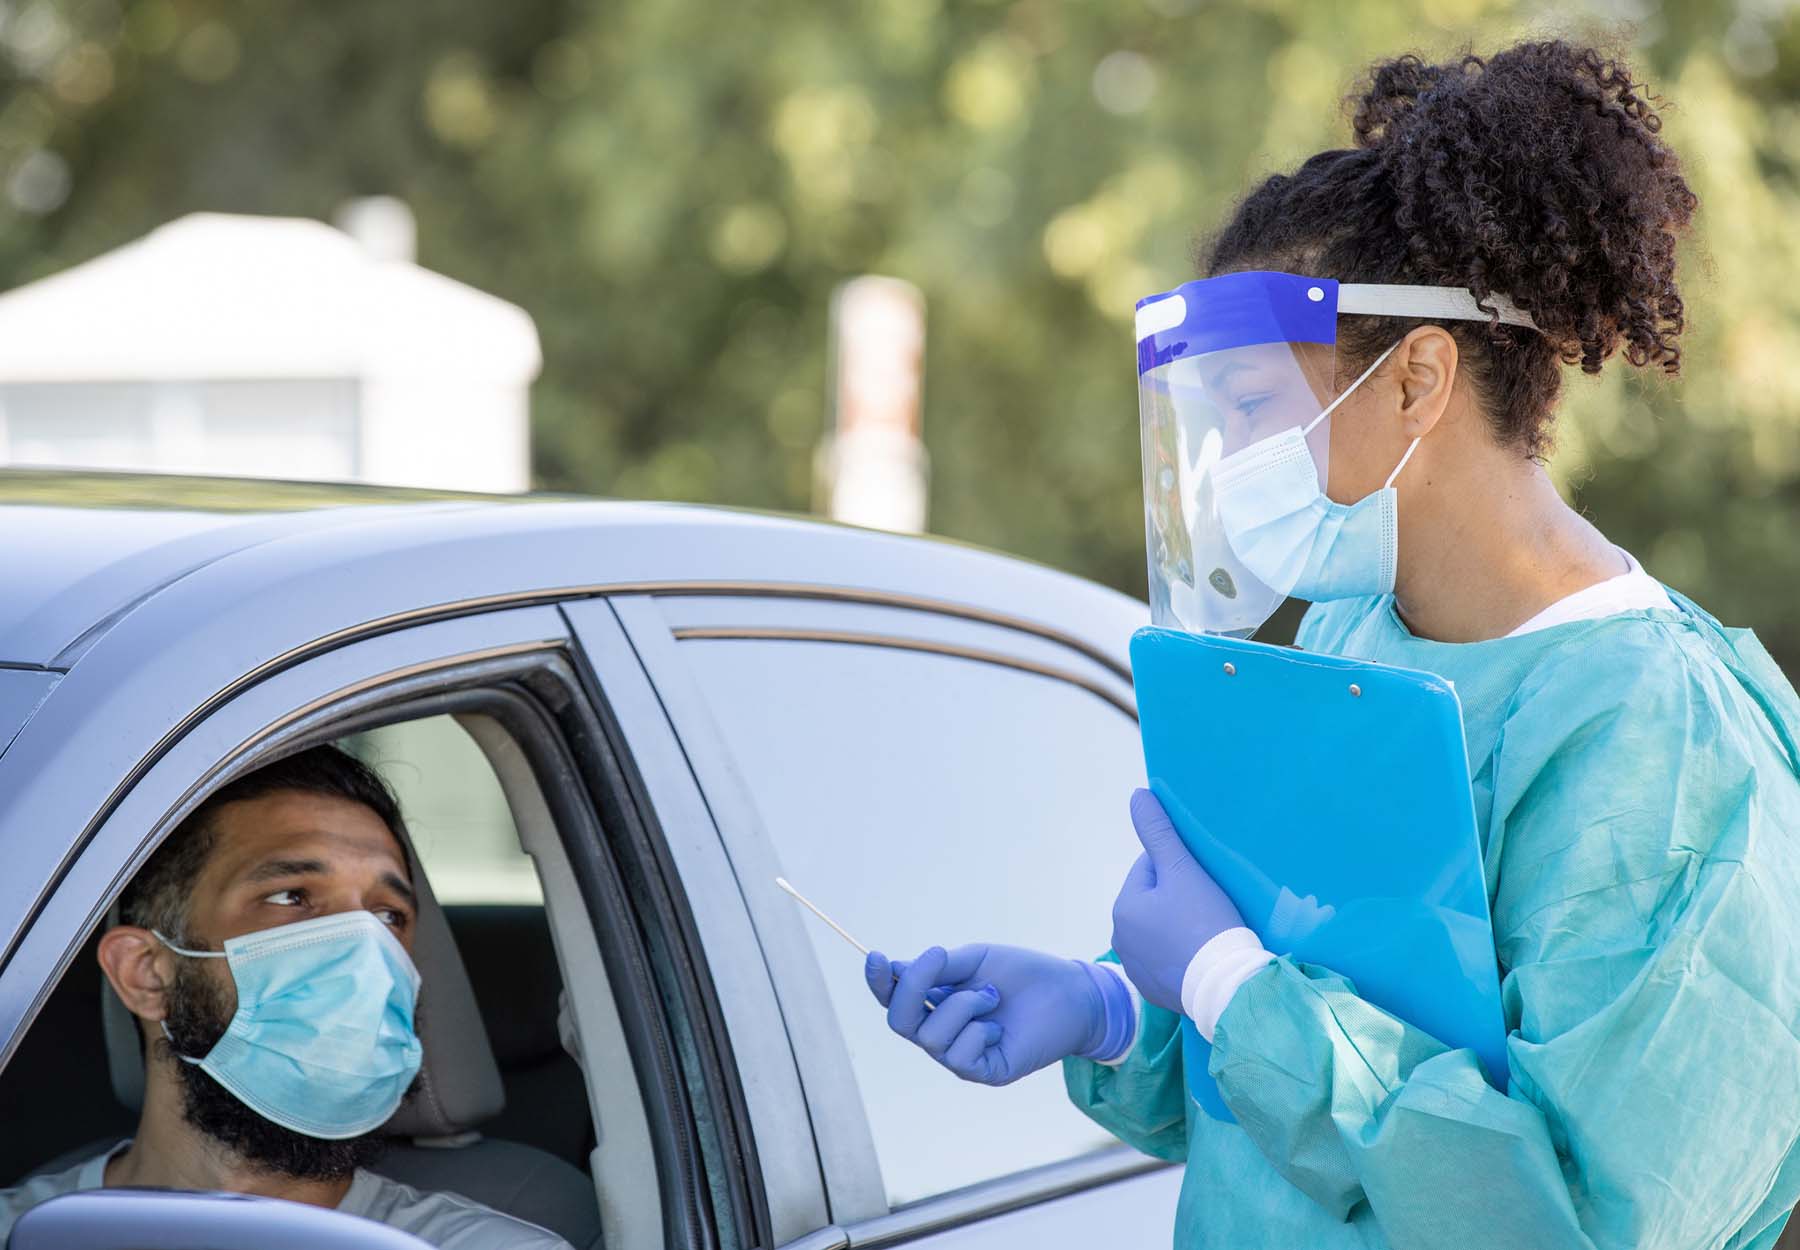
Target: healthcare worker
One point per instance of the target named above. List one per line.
(1353, 407)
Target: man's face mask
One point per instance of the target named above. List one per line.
(322, 1041)
(1236, 389)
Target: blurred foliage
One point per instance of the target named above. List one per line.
(674, 188)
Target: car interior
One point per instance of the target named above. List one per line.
(503, 1114)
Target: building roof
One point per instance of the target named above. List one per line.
(212, 295)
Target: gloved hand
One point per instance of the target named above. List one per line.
(1002, 1012)
(1167, 909)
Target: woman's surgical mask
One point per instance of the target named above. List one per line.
(1277, 519)
(322, 1041)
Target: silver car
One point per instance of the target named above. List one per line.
(612, 726)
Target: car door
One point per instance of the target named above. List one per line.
(712, 1189)
(929, 774)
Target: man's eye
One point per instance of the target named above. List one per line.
(286, 898)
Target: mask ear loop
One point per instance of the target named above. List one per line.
(182, 950)
(1345, 394)
(1361, 378)
(1403, 459)
(164, 1024)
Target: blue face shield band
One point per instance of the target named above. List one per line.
(1237, 381)
(322, 1041)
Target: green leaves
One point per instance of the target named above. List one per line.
(674, 188)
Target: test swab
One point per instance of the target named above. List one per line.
(840, 930)
(814, 909)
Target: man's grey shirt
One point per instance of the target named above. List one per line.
(448, 1221)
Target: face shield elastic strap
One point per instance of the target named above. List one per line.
(1382, 299)
(1385, 299)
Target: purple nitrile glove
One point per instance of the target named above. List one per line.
(1002, 1012)
(1167, 909)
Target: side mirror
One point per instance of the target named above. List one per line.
(169, 1219)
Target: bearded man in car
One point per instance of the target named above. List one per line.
(266, 952)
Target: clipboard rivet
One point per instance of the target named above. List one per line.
(1355, 690)
(1230, 670)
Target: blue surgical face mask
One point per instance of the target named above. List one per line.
(1280, 523)
(323, 1041)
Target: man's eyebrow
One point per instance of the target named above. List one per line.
(275, 869)
(281, 869)
(394, 882)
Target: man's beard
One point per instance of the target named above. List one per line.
(198, 1017)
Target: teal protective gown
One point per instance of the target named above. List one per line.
(1635, 788)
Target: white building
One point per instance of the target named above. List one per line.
(269, 347)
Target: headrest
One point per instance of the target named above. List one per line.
(459, 1084)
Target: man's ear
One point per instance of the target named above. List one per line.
(139, 967)
(1425, 369)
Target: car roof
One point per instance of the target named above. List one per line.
(80, 552)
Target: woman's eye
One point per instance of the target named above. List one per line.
(392, 917)
(1250, 403)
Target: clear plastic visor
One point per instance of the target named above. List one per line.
(1196, 412)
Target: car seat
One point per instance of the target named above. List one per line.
(438, 1145)
(511, 959)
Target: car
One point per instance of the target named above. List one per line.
(612, 726)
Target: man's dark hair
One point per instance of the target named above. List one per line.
(1537, 173)
(157, 897)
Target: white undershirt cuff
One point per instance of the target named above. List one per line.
(1226, 961)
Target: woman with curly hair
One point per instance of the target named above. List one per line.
(1634, 763)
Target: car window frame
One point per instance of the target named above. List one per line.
(750, 1031)
(563, 771)
(354, 684)
(657, 625)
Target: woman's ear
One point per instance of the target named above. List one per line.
(139, 968)
(1425, 369)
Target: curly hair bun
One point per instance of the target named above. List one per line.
(1537, 173)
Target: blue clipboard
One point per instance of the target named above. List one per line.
(1330, 799)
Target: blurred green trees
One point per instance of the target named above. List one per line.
(674, 188)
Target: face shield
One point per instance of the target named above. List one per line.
(1237, 379)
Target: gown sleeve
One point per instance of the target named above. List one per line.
(1643, 868)
(1141, 1100)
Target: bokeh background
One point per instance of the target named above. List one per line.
(673, 189)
